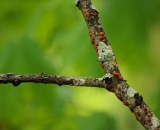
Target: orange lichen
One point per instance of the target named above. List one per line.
(101, 64)
(87, 14)
(94, 13)
(101, 33)
(100, 37)
(141, 119)
(145, 109)
(115, 65)
(125, 102)
(148, 120)
(131, 108)
(116, 74)
(112, 90)
(119, 88)
(146, 112)
(104, 40)
(92, 39)
(95, 47)
(138, 112)
(120, 77)
(118, 95)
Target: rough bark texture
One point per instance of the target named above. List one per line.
(17, 79)
(113, 78)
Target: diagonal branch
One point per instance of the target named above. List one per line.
(113, 78)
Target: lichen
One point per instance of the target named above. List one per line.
(77, 2)
(105, 52)
(92, 7)
(107, 75)
(130, 92)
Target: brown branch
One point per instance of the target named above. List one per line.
(113, 78)
(16, 80)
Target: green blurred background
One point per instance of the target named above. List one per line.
(51, 36)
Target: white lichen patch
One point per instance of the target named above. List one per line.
(131, 101)
(76, 2)
(68, 78)
(92, 7)
(81, 82)
(130, 92)
(107, 75)
(109, 65)
(155, 121)
(78, 82)
(105, 52)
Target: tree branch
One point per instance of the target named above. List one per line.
(16, 80)
(113, 78)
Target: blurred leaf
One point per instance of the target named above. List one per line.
(29, 102)
(97, 121)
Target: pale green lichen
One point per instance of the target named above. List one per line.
(105, 52)
(78, 82)
(92, 7)
(107, 75)
(76, 2)
(130, 92)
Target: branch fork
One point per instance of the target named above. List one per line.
(112, 79)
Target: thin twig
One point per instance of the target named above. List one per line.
(113, 78)
(17, 79)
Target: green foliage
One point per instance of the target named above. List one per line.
(97, 121)
(52, 37)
